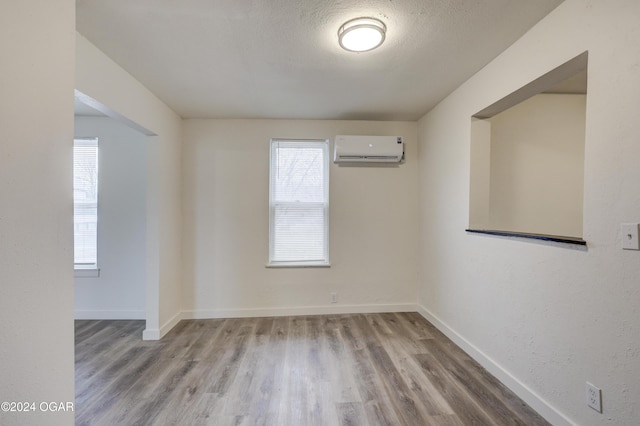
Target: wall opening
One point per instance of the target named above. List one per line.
(527, 158)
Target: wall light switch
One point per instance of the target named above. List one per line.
(629, 233)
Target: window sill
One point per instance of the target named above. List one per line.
(297, 265)
(86, 273)
(542, 237)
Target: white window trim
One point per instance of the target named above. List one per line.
(89, 272)
(276, 265)
(320, 263)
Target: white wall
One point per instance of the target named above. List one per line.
(120, 96)
(373, 222)
(537, 166)
(545, 318)
(480, 170)
(119, 291)
(36, 207)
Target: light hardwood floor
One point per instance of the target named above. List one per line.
(361, 369)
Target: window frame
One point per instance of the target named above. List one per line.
(315, 263)
(86, 270)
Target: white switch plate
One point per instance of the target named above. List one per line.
(629, 233)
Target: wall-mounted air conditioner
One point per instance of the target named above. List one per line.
(368, 149)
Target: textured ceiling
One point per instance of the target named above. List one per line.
(281, 58)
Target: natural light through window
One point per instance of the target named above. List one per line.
(299, 203)
(85, 203)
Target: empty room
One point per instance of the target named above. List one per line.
(320, 213)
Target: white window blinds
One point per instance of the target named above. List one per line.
(299, 203)
(85, 202)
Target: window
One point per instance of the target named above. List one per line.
(299, 203)
(85, 203)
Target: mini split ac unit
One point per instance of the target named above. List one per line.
(368, 149)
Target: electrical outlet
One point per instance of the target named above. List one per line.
(630, 239)
(594, 397)
(334, 297)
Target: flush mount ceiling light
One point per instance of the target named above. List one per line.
(361, 34)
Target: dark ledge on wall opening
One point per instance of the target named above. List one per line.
(543, 237)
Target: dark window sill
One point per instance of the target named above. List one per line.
(543, 237)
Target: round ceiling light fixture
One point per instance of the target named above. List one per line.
(361, 34)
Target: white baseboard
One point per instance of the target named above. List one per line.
(151, 334)
(109, 315)
(535, 401)
(158, 333)
(306, 310)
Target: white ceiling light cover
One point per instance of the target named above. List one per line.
(361, 34)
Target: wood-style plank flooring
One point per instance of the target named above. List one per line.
(361, 369)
